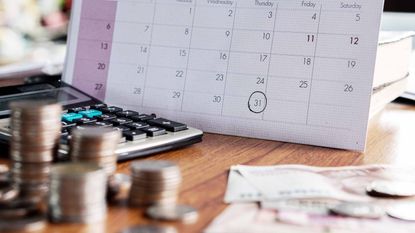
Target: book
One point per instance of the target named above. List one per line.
(410, 91)
(392, 70)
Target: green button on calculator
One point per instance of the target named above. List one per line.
(70, 117)
(90, 113)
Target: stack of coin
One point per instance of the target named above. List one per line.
(33, 222)
(150, 229)
(77, 193)
(154, 183)
(95, 145)
(35, 130)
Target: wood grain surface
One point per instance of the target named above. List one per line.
(391, 140)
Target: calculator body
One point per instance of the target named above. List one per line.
(72, 98)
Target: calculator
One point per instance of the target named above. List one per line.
(143, 134)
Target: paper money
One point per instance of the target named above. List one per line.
(240, 189)
(249, 217)
(272, 183)
(296, 198)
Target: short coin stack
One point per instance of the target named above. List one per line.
(35, 130)
(77, 193)
(154, 183)
(97, 146)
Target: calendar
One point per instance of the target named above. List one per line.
(287, 70)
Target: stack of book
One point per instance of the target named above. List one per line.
(392, 71)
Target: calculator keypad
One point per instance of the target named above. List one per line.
(135, 135)
(111, 109)
(127, 113)
(154, 131)
(168, 124)
(120, 121)
(134, 126)
(106, 117)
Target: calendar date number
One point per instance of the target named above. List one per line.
(257, 102)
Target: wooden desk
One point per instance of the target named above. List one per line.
(205, 166)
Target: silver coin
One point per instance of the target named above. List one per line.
(119, 186)
(183, 213)
(79, 218)
(153, 166)
(27, 224)
(403, 211)
(35, 105)
(8, 193)
(92, 134)
(384, 188)
(358, 210)
(77, 170)
(150, 229)
(17, 208)
(4, 169)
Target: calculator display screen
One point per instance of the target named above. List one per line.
(65, 96)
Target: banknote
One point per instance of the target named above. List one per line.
(273, 183)
(240, 189)
(296, 198)
(250, 218)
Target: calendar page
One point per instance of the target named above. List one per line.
(288, 70)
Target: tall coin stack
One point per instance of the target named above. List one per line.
(77, 193)
(154, 183)
(35, 130)
(97, 146)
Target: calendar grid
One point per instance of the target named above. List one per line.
(271, 121)
(148, 54)
(312, 71)
(229, 56)
(270, 52)
(188, 57)
(270, 76)
(236, 28)
(235, 51)
(225, 59)
(285, 100)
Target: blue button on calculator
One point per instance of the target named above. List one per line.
(91, 113)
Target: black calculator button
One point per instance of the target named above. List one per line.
(64, 132)
(80, 127)
(84, 120)
(111, 109)
(98, 106)
(120, 121)
(137, 125)
(106, 117)
(65, 139)
(102, 124)
(169, 125)
(154, 131)
(121, 128)
(134, 135)
(143, 117)
(67, 125)
(127, 113)
(78, 109)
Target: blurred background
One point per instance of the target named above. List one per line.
(33, 33)
(32, 36)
